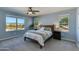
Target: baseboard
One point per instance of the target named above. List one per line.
(67, 39)
(8, 38)
(77, 44)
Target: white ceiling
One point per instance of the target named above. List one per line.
(43, 10)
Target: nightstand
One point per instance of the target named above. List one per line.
(57, 35)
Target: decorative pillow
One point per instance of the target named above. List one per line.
(48, 29)
(42, 28)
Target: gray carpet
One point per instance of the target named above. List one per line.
(18, 44)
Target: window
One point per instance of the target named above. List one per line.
(20, 24)
(14, 23)
(10, 24)
(63, 23)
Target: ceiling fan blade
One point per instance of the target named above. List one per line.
(35, 11)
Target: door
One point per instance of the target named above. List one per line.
(77, 28)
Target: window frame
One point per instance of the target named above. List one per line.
(65, 15)
(16, 22)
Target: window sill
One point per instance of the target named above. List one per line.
(61, 30)
(14, 31)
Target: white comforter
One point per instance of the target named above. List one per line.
(38, 35)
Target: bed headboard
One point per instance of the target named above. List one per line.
(50, 26)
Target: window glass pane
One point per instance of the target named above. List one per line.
(20, 24)
(10, 23)
(63, 23)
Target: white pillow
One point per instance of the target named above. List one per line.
(42, 28)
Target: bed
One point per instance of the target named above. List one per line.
(40, 36)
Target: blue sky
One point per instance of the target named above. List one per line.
(13, 20)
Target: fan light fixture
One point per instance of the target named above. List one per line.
(29, 13)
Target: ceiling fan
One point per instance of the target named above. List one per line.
(30, 11)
